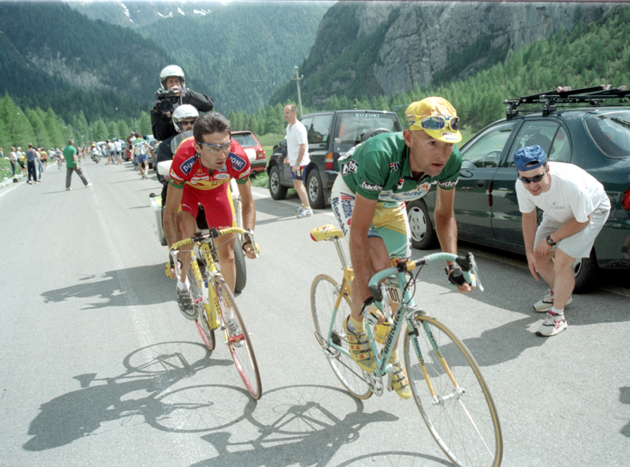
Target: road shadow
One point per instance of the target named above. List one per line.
(118, 288)
(163, 383)
(624, 398)
(301, 425)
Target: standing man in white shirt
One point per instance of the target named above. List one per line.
(297, 156)
(575, 207)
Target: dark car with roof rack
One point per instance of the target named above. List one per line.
(587, 127)
(330, 134)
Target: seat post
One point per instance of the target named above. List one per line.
(341, 254)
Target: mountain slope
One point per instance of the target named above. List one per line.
(376, 48)
(54, 56)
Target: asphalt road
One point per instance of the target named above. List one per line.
(98, 367)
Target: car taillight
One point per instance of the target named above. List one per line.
(625, 200)
(261, 154)
(328, 161)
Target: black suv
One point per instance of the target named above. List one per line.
(330, 134)
(586, 127)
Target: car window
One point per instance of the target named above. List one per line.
(561, 147)
(246, 140)
(540, 132)
(486, 149)
(318, 128)
(351, 127)
(610, 132)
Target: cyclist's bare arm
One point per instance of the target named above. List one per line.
(249, 212)
(446, 226)
(368, 256)
(173, 201)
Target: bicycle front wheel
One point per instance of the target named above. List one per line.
(324, 295)
(238, 340)
(207, 334)
(460, 413)
(195, 281)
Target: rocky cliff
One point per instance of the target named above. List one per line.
(408, 44)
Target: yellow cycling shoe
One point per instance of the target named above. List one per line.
(400, 381)
(360, 349)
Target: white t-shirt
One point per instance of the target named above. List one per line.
(573, 193)
(297, 135)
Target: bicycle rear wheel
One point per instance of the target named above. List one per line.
(463, 420)
(195, 281)
(238, 340)
(324, 293)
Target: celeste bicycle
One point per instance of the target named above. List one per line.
(447, 384)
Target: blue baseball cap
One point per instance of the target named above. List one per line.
(534, 155)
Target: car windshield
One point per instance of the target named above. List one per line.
(351, 127)
(246, 140)
(610, 132)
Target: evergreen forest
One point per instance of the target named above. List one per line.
(591, 54)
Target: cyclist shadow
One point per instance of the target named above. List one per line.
(295, 425)
(624, 397)
(161, 384)
(113, 288)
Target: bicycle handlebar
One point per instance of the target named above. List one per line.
(467, 263)
(200, 237)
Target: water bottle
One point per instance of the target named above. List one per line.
(381, 331)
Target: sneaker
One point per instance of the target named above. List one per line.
(306, 212)
(184, 300)
(234, 330)
(298, 210)
(546, 303)
(553, 324)
(360, 350)
(68, 189)
(400, 381)
(88, 185)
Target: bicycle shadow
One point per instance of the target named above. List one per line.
(295, 425)
(160, 384)
(118, 288)
(624, 397)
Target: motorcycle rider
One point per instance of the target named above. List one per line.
(172, 79)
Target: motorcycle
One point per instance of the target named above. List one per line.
(157, 208)
(94, 154)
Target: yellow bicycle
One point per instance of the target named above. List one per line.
(214, 306)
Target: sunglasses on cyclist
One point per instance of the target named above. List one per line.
(216, 148)
(187, 122)
(534, 179)
(439, 122)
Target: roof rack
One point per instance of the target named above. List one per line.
(565, 96)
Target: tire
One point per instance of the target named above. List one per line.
(239, 343)
(276, 189)
(207, 334)
(376, 131)
(315, 190)
(423, 235)
(585, 270)
(463, 422)
(241, 268)
(324, 294)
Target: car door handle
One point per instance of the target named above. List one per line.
(480, 183)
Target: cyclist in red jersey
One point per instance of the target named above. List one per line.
(200, 174)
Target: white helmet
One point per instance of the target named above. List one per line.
(183, 112)
(171, 70)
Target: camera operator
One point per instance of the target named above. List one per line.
(171, 94)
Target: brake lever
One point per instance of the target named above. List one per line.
(249, 238)
(474, 270)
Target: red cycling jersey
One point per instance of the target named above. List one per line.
(211, 190)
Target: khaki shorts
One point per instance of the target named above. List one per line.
(578, 245)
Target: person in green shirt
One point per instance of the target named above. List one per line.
(72, 165)
(375, 179)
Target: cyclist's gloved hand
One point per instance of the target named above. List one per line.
(455, 275)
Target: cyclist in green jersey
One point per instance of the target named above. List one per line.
(375, 179)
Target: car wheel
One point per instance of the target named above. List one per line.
(276, 189)
(585, 270)
(315, 190)
(423, 235)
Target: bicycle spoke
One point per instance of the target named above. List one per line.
(452, 396)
